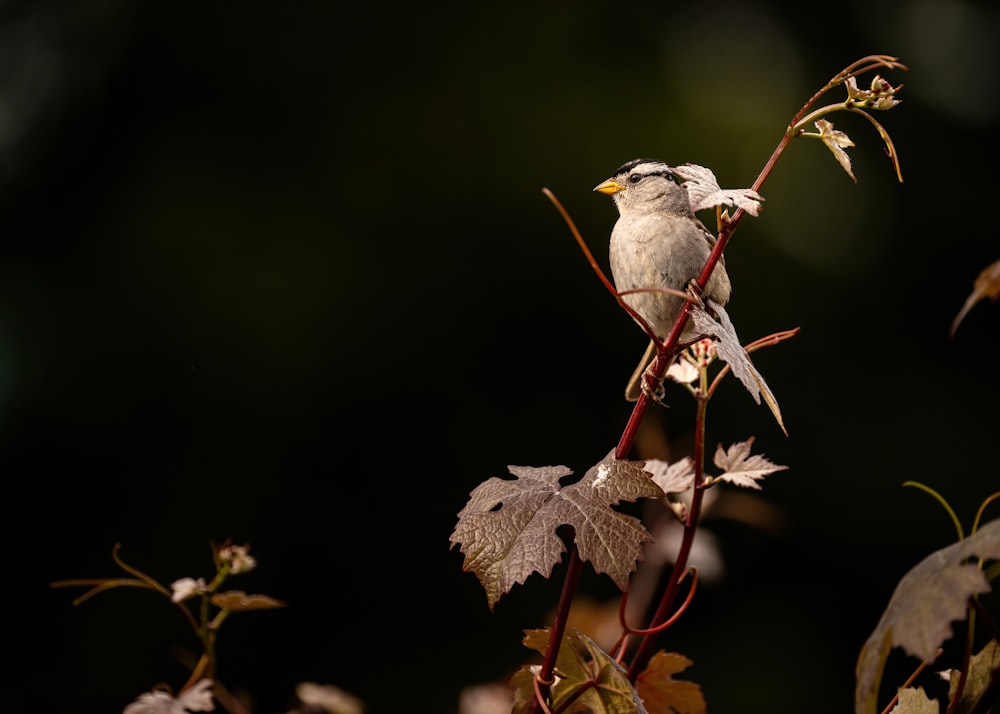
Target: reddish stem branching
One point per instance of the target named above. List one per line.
(666, 605)
(544, 678)
(667, 350)
(757, 344)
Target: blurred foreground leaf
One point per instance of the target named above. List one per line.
(662, 693)
(987, 285)
(927, 600)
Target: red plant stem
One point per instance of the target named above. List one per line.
(663, 611)
(673, 618)
(726, 230)
(985, 617)
(659, 367)
(657, 370)
(963, 670)
(545, 675)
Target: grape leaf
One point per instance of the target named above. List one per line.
(662, 693)
(836, 141)
(677, 477)
(742, 468)
(586, 678)
(704, 191)
(504, 544)
(915, 701)
(728, 348)
(920, 612)
(981, 667)
(987, 285)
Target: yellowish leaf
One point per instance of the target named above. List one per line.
(660, 692)
(836, 141)
(979, 678)
(235, 600)
(916, 701)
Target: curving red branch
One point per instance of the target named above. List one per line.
(672, 619)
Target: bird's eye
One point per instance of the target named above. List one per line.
(670, 177)
(634, 178)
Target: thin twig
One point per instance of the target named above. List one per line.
(604, 278)
(757, 344)
(673, 618)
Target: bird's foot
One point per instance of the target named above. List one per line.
(695, 291)
(653, 388)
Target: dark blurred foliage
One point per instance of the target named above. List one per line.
(284, 273)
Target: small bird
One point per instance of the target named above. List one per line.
(657, 242)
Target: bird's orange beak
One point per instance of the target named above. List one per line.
(609, 187)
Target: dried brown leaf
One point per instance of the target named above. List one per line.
(981, 668)
(237, 600)
(926, 601)
(915, 701)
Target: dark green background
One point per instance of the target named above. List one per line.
(283, 273)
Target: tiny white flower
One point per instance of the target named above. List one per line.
(696, 357)
(683, 372)
(196, 699)
(881, 94)
(238, 557)
(703, 352)
(186, 587)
